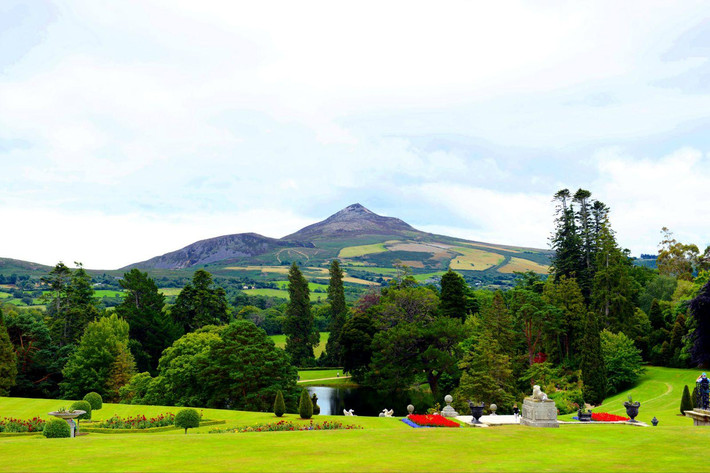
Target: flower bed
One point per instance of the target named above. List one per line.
(138, 422)
(286, 426)
(604, 417)
(12, 425)
(430, 420)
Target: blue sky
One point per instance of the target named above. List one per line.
(129, 129)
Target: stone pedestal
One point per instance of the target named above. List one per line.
(538, 413)
(449, 411)
(700, 416)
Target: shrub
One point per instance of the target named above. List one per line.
(56, 428)
(82, 406)
(279, 404)
(695, 398)
(305, 406)
(686, 404)
(95, 400)
(187, 419)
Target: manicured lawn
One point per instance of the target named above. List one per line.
(383, 445)
(280, 341)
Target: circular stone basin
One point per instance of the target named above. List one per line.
(67, 415)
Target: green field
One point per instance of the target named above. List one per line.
(282, 293)
(170, 291)
(362, 250)
(383, 444)
(280, 341)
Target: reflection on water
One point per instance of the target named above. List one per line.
(367, 402)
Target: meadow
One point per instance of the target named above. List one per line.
(384, 444)
(280, 341)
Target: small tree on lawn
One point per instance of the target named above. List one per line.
(82, 406)
(187, 419)
(95, 400)
(305, 405)
(686, 404)
(279, 404)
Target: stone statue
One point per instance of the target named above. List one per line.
(538, 395)
(316, 407)
(348, 412)
(703, 385)
(387, 413)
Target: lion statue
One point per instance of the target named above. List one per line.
(538, 395)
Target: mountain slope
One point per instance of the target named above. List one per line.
(224, 248)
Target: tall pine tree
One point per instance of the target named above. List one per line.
(339, 313)
(299, 326)
(593, 370)
(700, 310)
(455, 298)
(8, 361)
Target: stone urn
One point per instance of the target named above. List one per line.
(410, 409)
(449, 411)
(493, 408)
(632, 409)
(476, 412)
(584, 416)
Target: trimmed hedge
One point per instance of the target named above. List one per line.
(82, 406)
(187, 419)
(56, 428)
(279, 404)
(95, 400)
(305, 406)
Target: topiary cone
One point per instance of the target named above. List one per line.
(305, 406)
(686, 404)
(279, 404)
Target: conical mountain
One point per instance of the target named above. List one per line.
(353, 220)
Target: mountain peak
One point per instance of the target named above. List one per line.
(353, 220)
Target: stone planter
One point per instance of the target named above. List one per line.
(69, 417)
(476, 412)
(632, 410)
(584, 416)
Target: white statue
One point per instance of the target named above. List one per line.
(387, 413)
(348, 412)
(538, 395)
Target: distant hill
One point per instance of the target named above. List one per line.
(362, 240)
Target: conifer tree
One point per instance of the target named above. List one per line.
(305, 405)
(279, 404)
(339, 311)
(686, 404)
(200, 304)
(499, 322)
(567, 260)
(8, 361)
(299, 326)
(593, 370)
(453, 296)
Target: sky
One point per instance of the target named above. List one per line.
(130, 129)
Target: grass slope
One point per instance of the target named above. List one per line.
(383, 445)
(280, 341)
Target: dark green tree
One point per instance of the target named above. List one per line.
(151, 331)
(8, 361)
(339, 312)
(305, 405)
(700, 311)
(656, 317)
(246, 370)
(567, 297)
(299, 327)
(402, 353)
(593, 369)
(686, 404)
(565, 241)
(279, 404)
(200, 303)
(456, 299)
(356, 344)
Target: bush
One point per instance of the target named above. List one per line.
(56, 428)
(279, 404)
(82, 406)
(95, 400)
(686, 404)
(187, 419)
(305, 406)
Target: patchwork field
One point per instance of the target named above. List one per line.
(355, 251)
(522, 265)
(475, 260)
(384, 444)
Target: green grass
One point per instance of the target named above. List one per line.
(312, 286)
(5, 295)
(362, 250)
(108, 293)
(170, 291)
(383, 445)
(281, 293)
(280, 341)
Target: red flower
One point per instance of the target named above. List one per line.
(432, 420)
(604, 417)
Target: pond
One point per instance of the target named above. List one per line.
(367, 402)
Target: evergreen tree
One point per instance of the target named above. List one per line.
(565, 242)
(8, 361)
(700, 311)
(498, 321)
(686, 404)
(279, 404)
(200, 304)
(455, 301)
(305, 405)
(356, 344)
(593, 370)
(299, 326)
(566, 296)
(655, 316)
(150, 329)
(122, 370)
(676, 344)
(339, 311)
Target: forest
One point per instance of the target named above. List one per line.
(583, 332)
